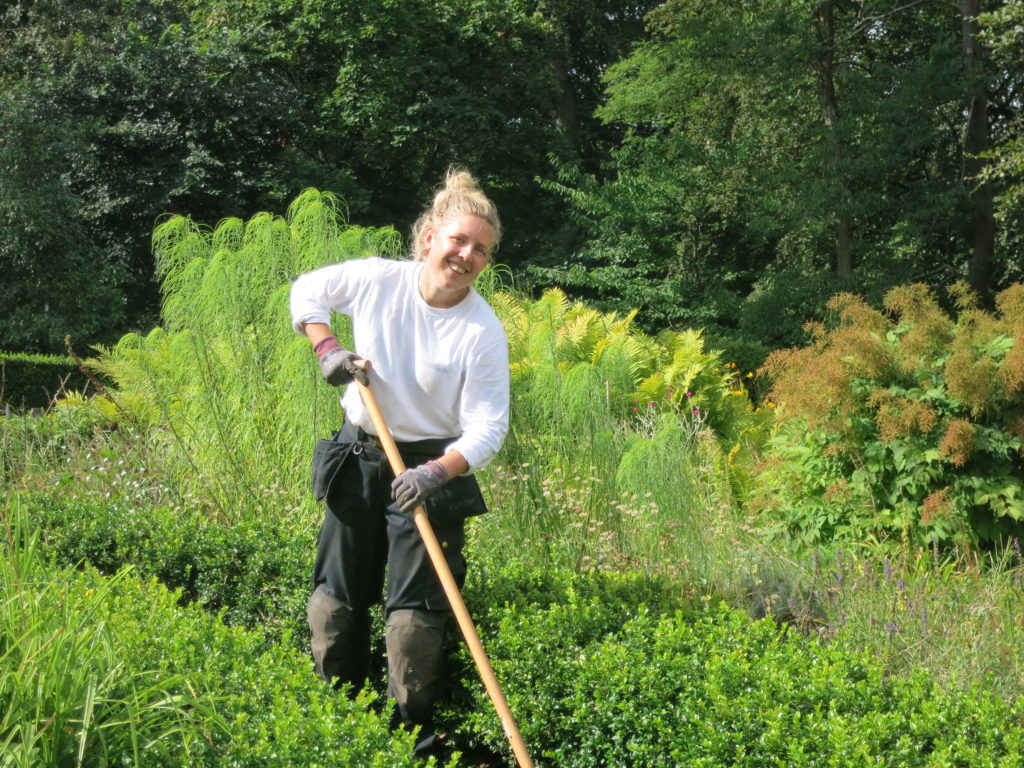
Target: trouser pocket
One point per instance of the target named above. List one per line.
(458, 499)
(328, 458)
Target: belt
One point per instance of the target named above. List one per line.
(429, 447)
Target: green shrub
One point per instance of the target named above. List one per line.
(256, 572)
(905, 425)
(35, 381)
(277, 713)
(595, 687)
(70, 695)
(100, 671)
(228, 385)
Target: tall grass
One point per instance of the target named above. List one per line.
(225, 389)
(618, 451)
(959, 615)
(70, 697)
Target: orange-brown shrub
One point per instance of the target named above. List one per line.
(863, 455)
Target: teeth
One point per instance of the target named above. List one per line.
(458, 270)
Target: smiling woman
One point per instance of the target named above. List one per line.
(454, 255)
(440, 373)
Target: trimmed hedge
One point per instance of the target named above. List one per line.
(599, 668)
(257, 574)
(31, 381)
(277, 713)
(269, 710)
(715, 689)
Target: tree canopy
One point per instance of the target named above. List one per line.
(726, 165)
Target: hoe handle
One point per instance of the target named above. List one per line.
(451, 589)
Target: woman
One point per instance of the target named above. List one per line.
(440, 373)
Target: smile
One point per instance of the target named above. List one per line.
(457, 269)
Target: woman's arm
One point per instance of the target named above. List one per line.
(316, 332)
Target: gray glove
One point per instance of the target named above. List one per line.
(339, 368)
(338, 364)
(414, 486)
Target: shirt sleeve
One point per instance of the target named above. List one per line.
(334, 287)
(484, 405)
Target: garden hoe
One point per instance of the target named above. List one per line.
(451, 589)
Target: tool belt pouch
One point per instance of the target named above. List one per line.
(458, 499)
(328, 458)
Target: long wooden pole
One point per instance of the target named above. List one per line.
(451, 589)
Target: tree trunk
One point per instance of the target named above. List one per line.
(564, 111)
(983, 227)
(824, 27)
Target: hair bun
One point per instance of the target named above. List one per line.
(460, 179)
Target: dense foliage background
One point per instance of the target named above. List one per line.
(761, 498)
(721, 165)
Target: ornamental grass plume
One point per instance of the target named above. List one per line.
(1010, 304)
(816, 381)
(958, 443)
(970, 379)
(860, 336)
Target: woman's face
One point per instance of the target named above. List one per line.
(456, 253)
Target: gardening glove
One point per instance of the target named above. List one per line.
(338, 364)
(414, 486)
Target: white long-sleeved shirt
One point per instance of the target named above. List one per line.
(436, 372)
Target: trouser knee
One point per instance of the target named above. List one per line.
(340, 639)
(414, 640)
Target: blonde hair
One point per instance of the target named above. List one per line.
(459, 195)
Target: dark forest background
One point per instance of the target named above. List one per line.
(727, 165)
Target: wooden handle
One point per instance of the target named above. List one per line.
(451, 589)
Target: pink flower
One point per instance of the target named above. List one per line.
(689, 394)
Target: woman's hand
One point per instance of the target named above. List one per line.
(337, 364)
(416, 485)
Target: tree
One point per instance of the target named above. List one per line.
(805, 139)
(1002, 32)
(115, 115)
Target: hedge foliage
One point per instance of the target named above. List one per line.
(33, 381)
(256, 573)
(599, 668)
(592, 684)
(214, 694)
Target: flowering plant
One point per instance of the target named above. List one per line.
(902, 423)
